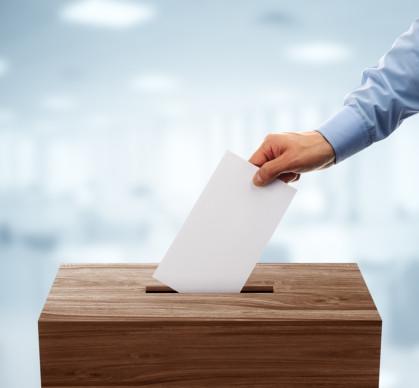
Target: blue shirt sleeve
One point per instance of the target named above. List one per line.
(389, 93)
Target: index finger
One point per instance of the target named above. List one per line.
(258, 158)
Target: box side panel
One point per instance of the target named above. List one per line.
(209, 354)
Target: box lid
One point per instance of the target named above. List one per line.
(301, 292)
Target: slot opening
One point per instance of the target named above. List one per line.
(256, 289)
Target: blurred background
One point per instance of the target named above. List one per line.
(114, 113)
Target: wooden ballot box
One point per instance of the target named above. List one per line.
(293, 325)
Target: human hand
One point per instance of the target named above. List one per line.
(286, 155)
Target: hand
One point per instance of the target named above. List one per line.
(286, 155)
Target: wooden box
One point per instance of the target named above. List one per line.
(295, 325)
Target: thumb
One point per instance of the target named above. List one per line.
(269, 171)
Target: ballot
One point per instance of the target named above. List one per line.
(226, 231)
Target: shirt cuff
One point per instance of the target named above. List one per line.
(346, 132)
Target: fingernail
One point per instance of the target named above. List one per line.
(257, 180)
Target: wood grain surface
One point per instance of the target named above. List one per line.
(318, 328)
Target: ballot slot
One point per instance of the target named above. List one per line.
(251, 289)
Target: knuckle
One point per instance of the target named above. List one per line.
(269, 137)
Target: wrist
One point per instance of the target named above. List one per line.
(325, 148)
(321, 149)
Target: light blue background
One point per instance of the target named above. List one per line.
(108, 135)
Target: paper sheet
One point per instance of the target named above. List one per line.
(226, 232)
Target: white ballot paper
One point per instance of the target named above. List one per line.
(226, 232)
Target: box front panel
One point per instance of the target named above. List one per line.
(210, 354)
